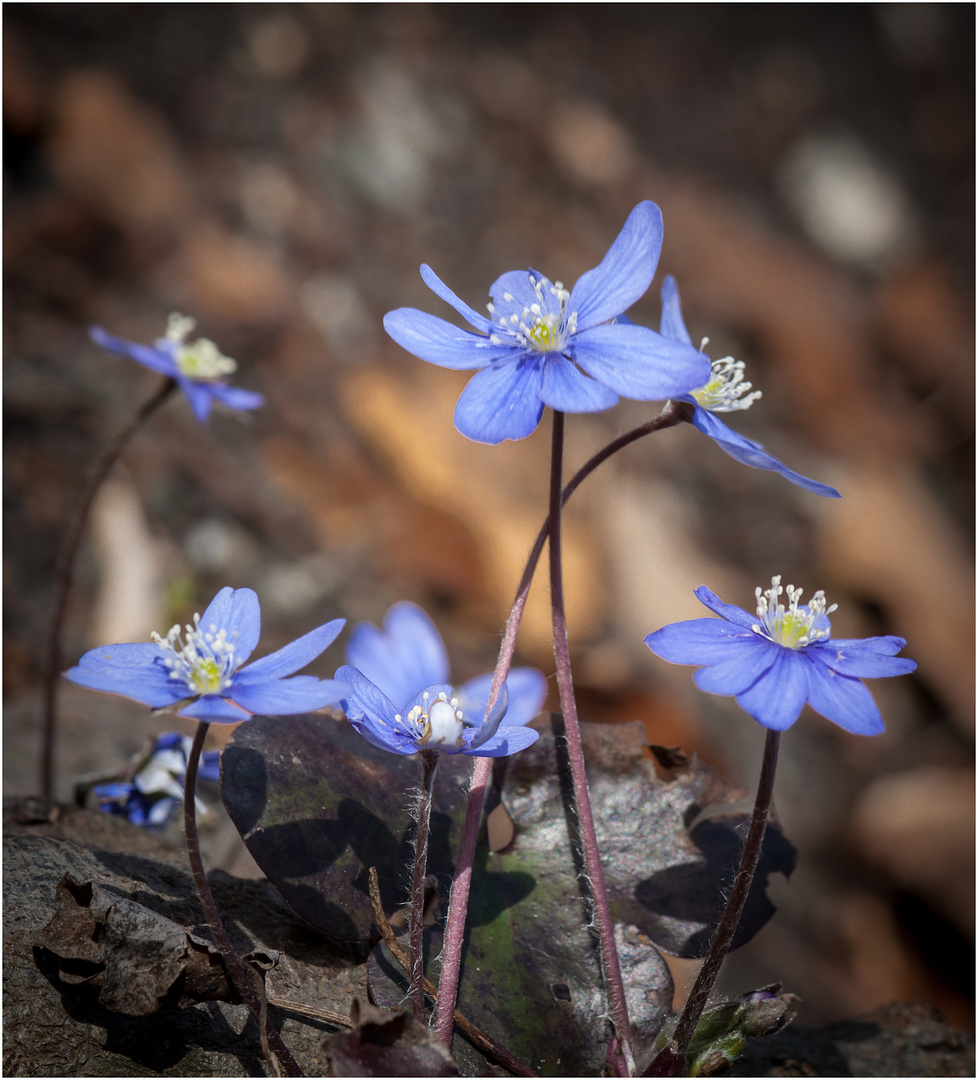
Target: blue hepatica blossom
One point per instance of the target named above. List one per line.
(200, 672)
(155, 793)
(782, 657)
(726, 391)
(198, 367)
(542, 345)
(401, 699)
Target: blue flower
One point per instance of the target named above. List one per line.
(198, 367)
(200, 673)
(726, 391)
(401, 700)
(543, 345)
(155, 793)
(779, 659)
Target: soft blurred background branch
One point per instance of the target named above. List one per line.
(280, 171)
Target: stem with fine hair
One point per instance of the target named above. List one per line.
(242, 981)
(673, 1056)
(672, 413)
(601, 914)
(66, 564)
(429, 763)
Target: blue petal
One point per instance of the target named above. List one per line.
(440, 342)
(372, 713)
(843, 700)
(740, 671)
(518, 285)
(210, 765)
(624, 274)
(364, 699)
(384, 738)
(291, 657)
(429, 694)
(637, 362)
(506, 741)
(439, 288)
(501, 402)
(488, 727)
(237, 611)
(777, 698)
(711, 424)
(751, 453)
(285, 697)
(172, 740)
(198, 395)
(527, 692)
(700, 641)
(672, 325)
(236, 398)
(405, 657)
(730, 612)
(569, 390)
(132, 670)
(215, 710)
(150, 357)
(868, 658)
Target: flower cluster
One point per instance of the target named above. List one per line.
(782, 657)
(544, 345)
(199, 672)
(400, 698)
(155, 793)
(198, 367)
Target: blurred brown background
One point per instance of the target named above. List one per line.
(280, 172)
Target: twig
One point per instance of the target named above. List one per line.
(400, 954)
(326, 1015)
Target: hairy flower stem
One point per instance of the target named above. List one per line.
(673, 1056)
(589, 841)
(672, 413)
(242, 981)
(66, 565)
(429, 763)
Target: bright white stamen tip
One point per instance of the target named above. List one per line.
(793, 627)
(200, 359)
(203, 662)
(545, 325)
(726, 390)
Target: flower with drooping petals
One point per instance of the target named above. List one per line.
(726, 391)
(401, 700)
(200, 672)
(155, 793)
(199, 367)
(542, 345)
(782, 657)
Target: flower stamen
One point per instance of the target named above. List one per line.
(726, 389)
(204, 662)
(200, 359)
(545, 326)
(796, 626)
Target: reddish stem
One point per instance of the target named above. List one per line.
(672, 413)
